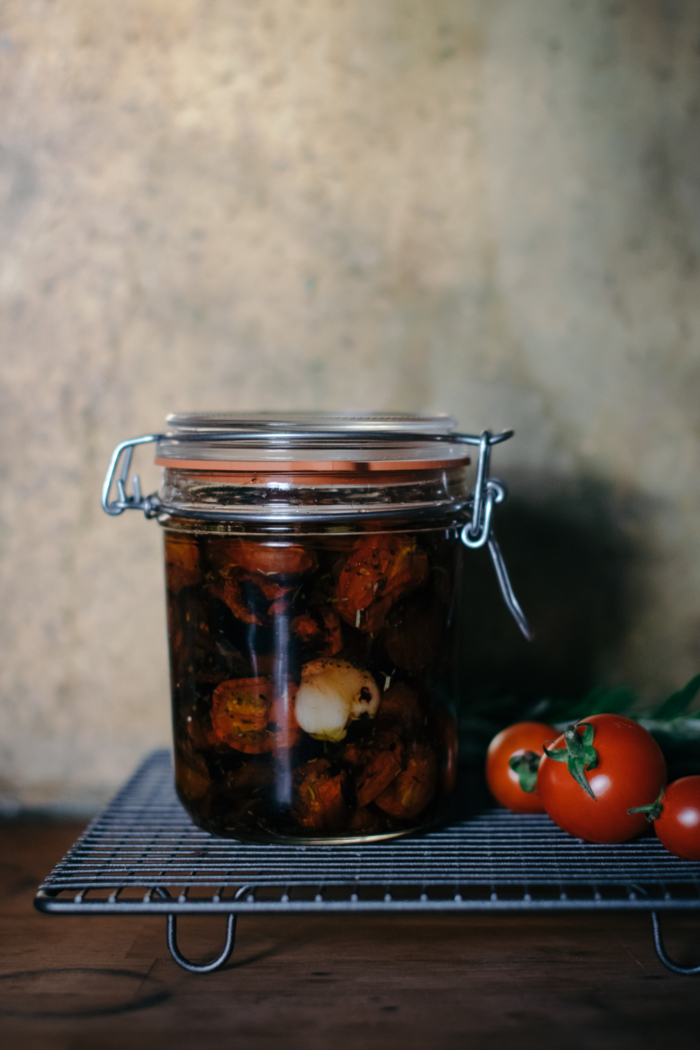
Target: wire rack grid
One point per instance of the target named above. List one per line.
(144, 855)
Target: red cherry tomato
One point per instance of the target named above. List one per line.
(502, 779)
(629, 767)
(678, 826)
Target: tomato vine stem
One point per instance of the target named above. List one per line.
(653, 811)
(525, 767)
(579, 754)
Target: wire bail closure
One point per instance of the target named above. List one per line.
(150, 505)
(487, 491)
(476, 533)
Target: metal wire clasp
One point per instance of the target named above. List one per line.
(150, 505)
(487, 491)
(478, 532)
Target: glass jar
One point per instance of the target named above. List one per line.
(313, 577)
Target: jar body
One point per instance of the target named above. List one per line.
(313, 673)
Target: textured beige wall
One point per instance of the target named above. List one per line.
(488, 208)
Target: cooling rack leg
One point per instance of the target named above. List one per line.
(209, 967)
(661, 951)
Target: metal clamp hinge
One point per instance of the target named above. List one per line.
(478, 532)
(119, 466)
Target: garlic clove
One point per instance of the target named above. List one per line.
(321, 713)
(333, 693)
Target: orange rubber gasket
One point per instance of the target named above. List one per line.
(330, 468)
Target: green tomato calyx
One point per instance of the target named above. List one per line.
(579, 754)
(525, 767)
(653, 811)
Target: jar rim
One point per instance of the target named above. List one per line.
(309, 441)
(300, 423)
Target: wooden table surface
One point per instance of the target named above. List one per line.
(576, 981)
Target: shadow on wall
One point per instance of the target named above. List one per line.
(570, 556)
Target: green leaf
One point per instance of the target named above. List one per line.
(679, 702)
(560, 754)
(598, 701)
(601, 701)
(587, 737)
(579, 776)
(581, 755)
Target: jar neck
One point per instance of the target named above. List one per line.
(315, 498)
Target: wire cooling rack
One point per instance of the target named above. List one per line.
(144, 855)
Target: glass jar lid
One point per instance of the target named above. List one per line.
(308, 441)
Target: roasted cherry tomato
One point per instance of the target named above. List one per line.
(379, 570)
(377, 762)
(248, 716)
(181, 561)
(676, 817)
(513, 785)
(318, 795)
(267, 559)
(409, 793)
(595, 772)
